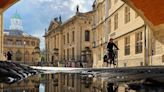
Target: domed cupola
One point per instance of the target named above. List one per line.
(16, 22)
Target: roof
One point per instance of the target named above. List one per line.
(16, 33)
(61, 25)
(76, 16)
(16, 16)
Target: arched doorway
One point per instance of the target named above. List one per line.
(27, 56)
(18, 55)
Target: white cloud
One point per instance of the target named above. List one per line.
(37, 14)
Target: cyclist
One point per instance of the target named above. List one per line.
(111, 54)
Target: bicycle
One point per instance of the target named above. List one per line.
(109, 58)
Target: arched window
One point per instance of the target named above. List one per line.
(9, 42)
(32, 56)
(87, 35)
(33, 43)
(27, 56)
(18, 42)
(18, 55)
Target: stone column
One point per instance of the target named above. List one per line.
(1, 37)
(106, 24)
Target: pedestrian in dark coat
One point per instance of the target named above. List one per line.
(9, 56)
(111, 53)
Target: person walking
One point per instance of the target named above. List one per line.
(9, 55)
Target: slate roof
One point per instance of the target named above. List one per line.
(16, 33)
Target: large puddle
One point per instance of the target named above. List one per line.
(92, 80)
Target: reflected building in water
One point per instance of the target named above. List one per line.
(68, 83)
(27, 85)
(64, 82)
(50, 83)
(88, 83)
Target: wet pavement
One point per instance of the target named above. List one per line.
(11, 72)
(134, 79)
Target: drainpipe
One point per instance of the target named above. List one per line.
(151, 48)
(81, 34)
(149, 34)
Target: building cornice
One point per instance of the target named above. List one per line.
(130, 31)
(9, 36)
(60, 27)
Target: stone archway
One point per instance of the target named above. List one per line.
(18, 55)
(27, 56)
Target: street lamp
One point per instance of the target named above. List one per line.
(24, 43)
(88, 57)
(33, 53)
(37, 53)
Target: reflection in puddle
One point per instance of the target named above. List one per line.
(42, 87)
(77, 82)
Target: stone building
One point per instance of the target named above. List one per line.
(100, 38)
(136, 42)
(155, 21)
(24, 47)
(69, 43)
(4, 5)
(137, 46)
(114, 19)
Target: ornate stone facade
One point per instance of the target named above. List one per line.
(69, 43)
(4, 4)
(24, 47)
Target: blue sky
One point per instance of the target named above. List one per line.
(37, 14)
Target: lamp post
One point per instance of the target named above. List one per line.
(24, 43)
(83, 58)
(88, 58)
(37, 53)
(33, 58)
